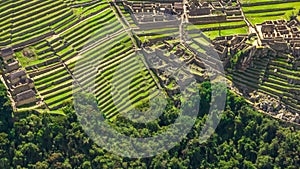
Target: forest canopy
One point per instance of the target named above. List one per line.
(243, 139)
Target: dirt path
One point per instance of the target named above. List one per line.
(127, 28)
(251, 28)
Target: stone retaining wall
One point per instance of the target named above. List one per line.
(207, 19)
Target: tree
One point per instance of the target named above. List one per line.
(243, 139)
(265, 161)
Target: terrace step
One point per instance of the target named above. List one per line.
(113, 113)
(245, 77)
(286, 71)
(242, 82)
(58, 92)
(54, 82)
(39, 73)
(133, 93)
(48, 71)
(100, 94)
(62, 97)
(103, 94)
(51, 78)
(60, 86)
(58, 105)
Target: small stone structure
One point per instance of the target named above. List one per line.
(166, 63)
(7, 54)
(25, 97)
(9, 67)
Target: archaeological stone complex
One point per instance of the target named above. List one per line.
(261, 60)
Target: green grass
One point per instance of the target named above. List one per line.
(127, 15)
(74, 2)
(50, 83)
(108, 57)
(216, 25)
(283, 11)
(83, 12)
(226, 32)
(255, 1)
(36, 22)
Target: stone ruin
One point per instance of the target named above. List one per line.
(164, 71)
(228, 46)
(274, 107)
(281, 35)
(212, 12)
(148, 12)
(145, 12)
(275, 38)
(198, 65)
(20, 86)
(166, 63)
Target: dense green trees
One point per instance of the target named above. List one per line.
(243, 139)
(5, 110)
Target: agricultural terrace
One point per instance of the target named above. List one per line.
(24, 22)
(120, 79)
(95, 44)
(91, 36)
(271, 76)
(221, 29)
(218, 18)
(257, 11)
